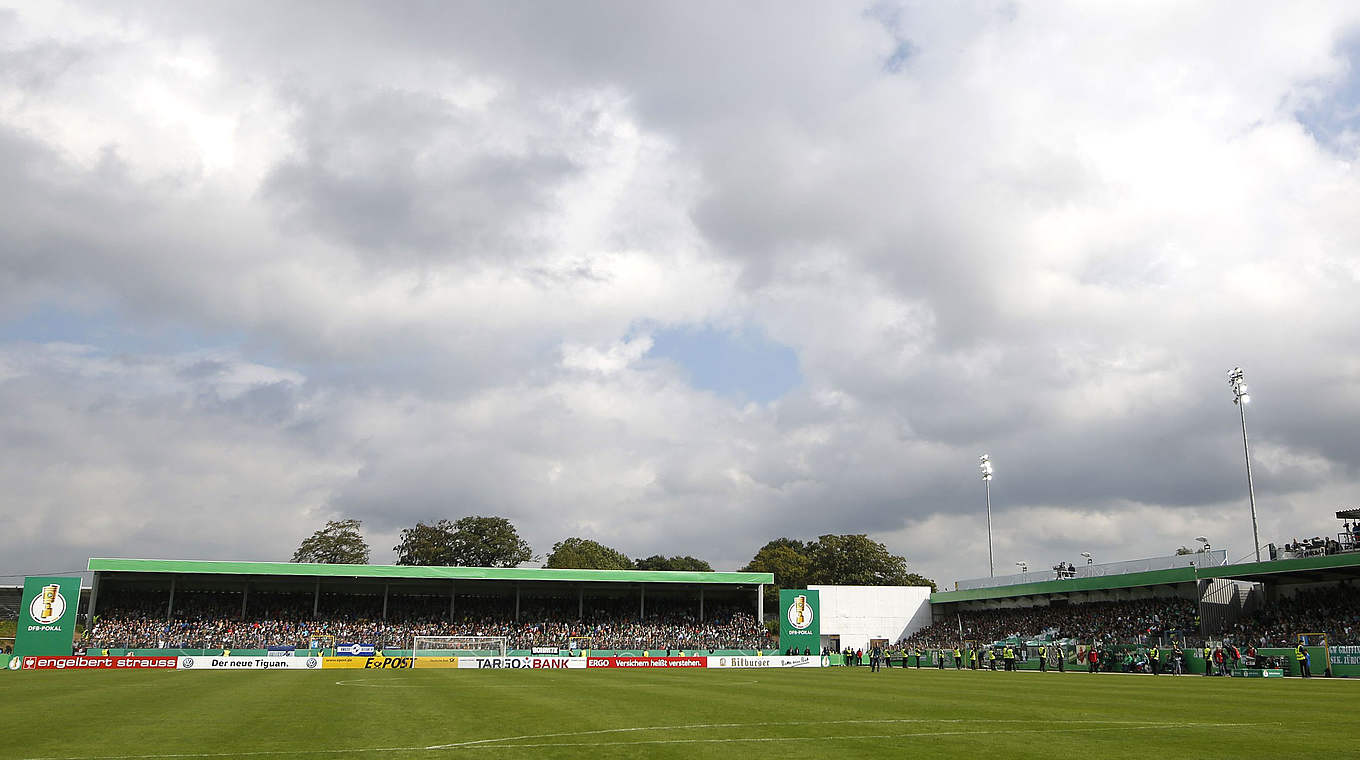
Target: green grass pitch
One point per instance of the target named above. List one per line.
(834, 712)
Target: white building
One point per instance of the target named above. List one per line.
(859, 616)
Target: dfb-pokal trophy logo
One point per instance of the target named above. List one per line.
(800, 613)
(49, 606)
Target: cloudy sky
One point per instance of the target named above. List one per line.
(679, 277)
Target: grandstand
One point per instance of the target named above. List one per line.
(246, 606)
(1190, 600)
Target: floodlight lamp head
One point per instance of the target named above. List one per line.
(1202, 539)
(1086, 555)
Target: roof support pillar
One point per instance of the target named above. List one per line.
(760, 603)
(642, 602)
(580, 602)
(385, 587)
(170, 607)
(453, 598)
(94, 597)
(316, 599)
(701, 604)
(245, 594)
(516, 601)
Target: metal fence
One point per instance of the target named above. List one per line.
(1211, 558)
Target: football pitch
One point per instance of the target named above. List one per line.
(833, 712)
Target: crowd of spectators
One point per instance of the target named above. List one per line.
(1334, 611)
(1117, 621)
(212, 621)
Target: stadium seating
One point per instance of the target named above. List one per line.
(207, 620)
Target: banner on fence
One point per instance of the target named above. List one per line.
(356, 650)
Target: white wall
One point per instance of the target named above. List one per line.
(859, 613)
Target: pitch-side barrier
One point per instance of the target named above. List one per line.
(132, 662)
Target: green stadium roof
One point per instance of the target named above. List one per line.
(1044, 588)
(1302, 570)
(404, 572)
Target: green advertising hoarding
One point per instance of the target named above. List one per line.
(800, 625)
(47, 616)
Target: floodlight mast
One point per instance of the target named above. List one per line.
(985, 465)
(1237, 381)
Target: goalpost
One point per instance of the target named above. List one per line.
(321, 644)
(458, 646)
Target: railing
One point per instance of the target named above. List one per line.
(1211, 558)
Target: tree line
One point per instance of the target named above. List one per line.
(842, 560)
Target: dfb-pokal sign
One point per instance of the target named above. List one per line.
(47, 616)
(800, 625)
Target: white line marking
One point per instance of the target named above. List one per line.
(861, 736)
(1104, 725)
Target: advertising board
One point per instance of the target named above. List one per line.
(249, 663)
(646, 662)
(79, 662)
(765, 662)
(520, 663)
(377, 663)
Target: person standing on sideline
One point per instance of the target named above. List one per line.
(1093, 660)
(1009, 654)
(1301, 655)
(875, 658)
(1155, 660)
(1043, 659)
(1208, 660)
(958, 659)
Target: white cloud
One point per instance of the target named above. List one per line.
(1047, 233)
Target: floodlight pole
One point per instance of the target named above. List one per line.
(985, 464)
(1241, 398)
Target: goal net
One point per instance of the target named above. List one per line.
(321, 644)
(459, 646)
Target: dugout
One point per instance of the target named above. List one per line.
(380, 592)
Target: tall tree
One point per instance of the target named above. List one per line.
(788, 559)
(584, 553)
(469, 542)
(489, 542)
(833, 560)
(659, 562)
(854, 559)
(339, 543)
(426, 544)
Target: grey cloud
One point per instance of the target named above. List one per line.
(401, 174)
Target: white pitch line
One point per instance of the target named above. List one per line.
(861, 736)
(1111, 725)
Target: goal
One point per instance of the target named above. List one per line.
(459, 646)
(321, 644)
